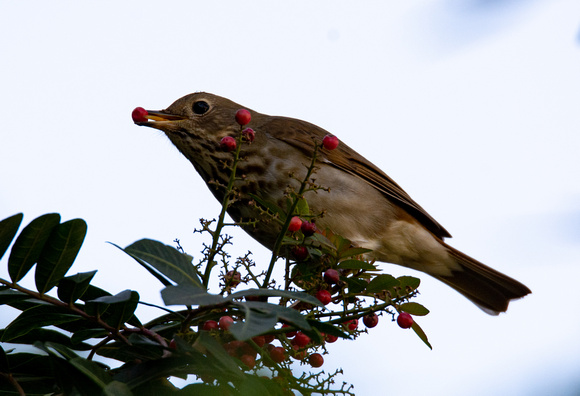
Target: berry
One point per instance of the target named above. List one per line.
(210, 325)
(289, 334)
(404, 320)
(330, 142)
(248, 360)
(316, 360)
(301, 340)
(249, 135)
(300, 252)
(295, 224)
(331, 276)
(298, 355)
(243, 117)
(324, 296)
(139, 115)
(331, 338)
(225, 322)
(233, 278)
(228, 143)
(269, 338)
(308, 228)
(278, 354)
(351, 324)
(173, 344)
(371, 320)
(260, 340)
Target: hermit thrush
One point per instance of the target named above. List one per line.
(363, 204)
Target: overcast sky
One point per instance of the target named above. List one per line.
(472, 106)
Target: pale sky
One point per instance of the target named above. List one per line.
(472, 106)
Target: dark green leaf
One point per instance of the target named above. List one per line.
(356, 264)
(46, 335)
(59, 253)
(4, 366)
(354, 252)
(419, 331)
(255, 323)
(409, 282)
(320, 241)
(356, 285)
(414, 309)
(29, 245)
(276, 293)
(219, 353)
(327, 328)
(167, 260)
(85, 334)
(382, 282)
(35, 317)
(9, 296)
(8, 229)
(56, 349)
(71, 288)
(149, 269)
(92, 371)
(189, 295)
(120, 307)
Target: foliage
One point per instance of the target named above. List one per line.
(73, 324)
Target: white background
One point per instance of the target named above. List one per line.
(473, 106)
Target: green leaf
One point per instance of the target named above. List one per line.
(166, 259)
(59, 253)
(354, 252)
(36, 317)
(119, 308)
(189, 295)
(85, 334)
(219, 353)
(356, 264)
(382, 282)
(8, 229)
(4, 366)
(414, 309)
(71, 288)
(356, 285)
(276, 293)
(9, 296)
(255, 323)
(327, 328)
(29, 245)
(419, 331)
(92, 371)
(47, 335)
(409, 282)
(302, 208)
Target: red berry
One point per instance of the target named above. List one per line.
(248, 360)
(278, 354)
(324, 296)
(330, 142)
(210, 325)
(249, 135)
(300, 252)
(331, 276)
(173, 344)
(228, 143)
(269, 338)
(316, 360)
(351, 324)
(139, 114)
(243, 117)
(301, 340)
(295, 224)
(308, 228)
(233, 278)
(260, 340)
(225, 322)
(331, 338)
(371, 320)
(289, 334)
(404, 320)
(298, 355)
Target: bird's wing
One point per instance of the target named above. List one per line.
(299, 133)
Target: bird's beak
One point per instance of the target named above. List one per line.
(154, 119)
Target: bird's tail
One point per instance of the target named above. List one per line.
(487, 288)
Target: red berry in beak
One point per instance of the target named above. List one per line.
(243, 117)
(139, 115)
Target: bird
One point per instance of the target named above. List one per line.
(361, 203)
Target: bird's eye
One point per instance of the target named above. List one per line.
(200, 107)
